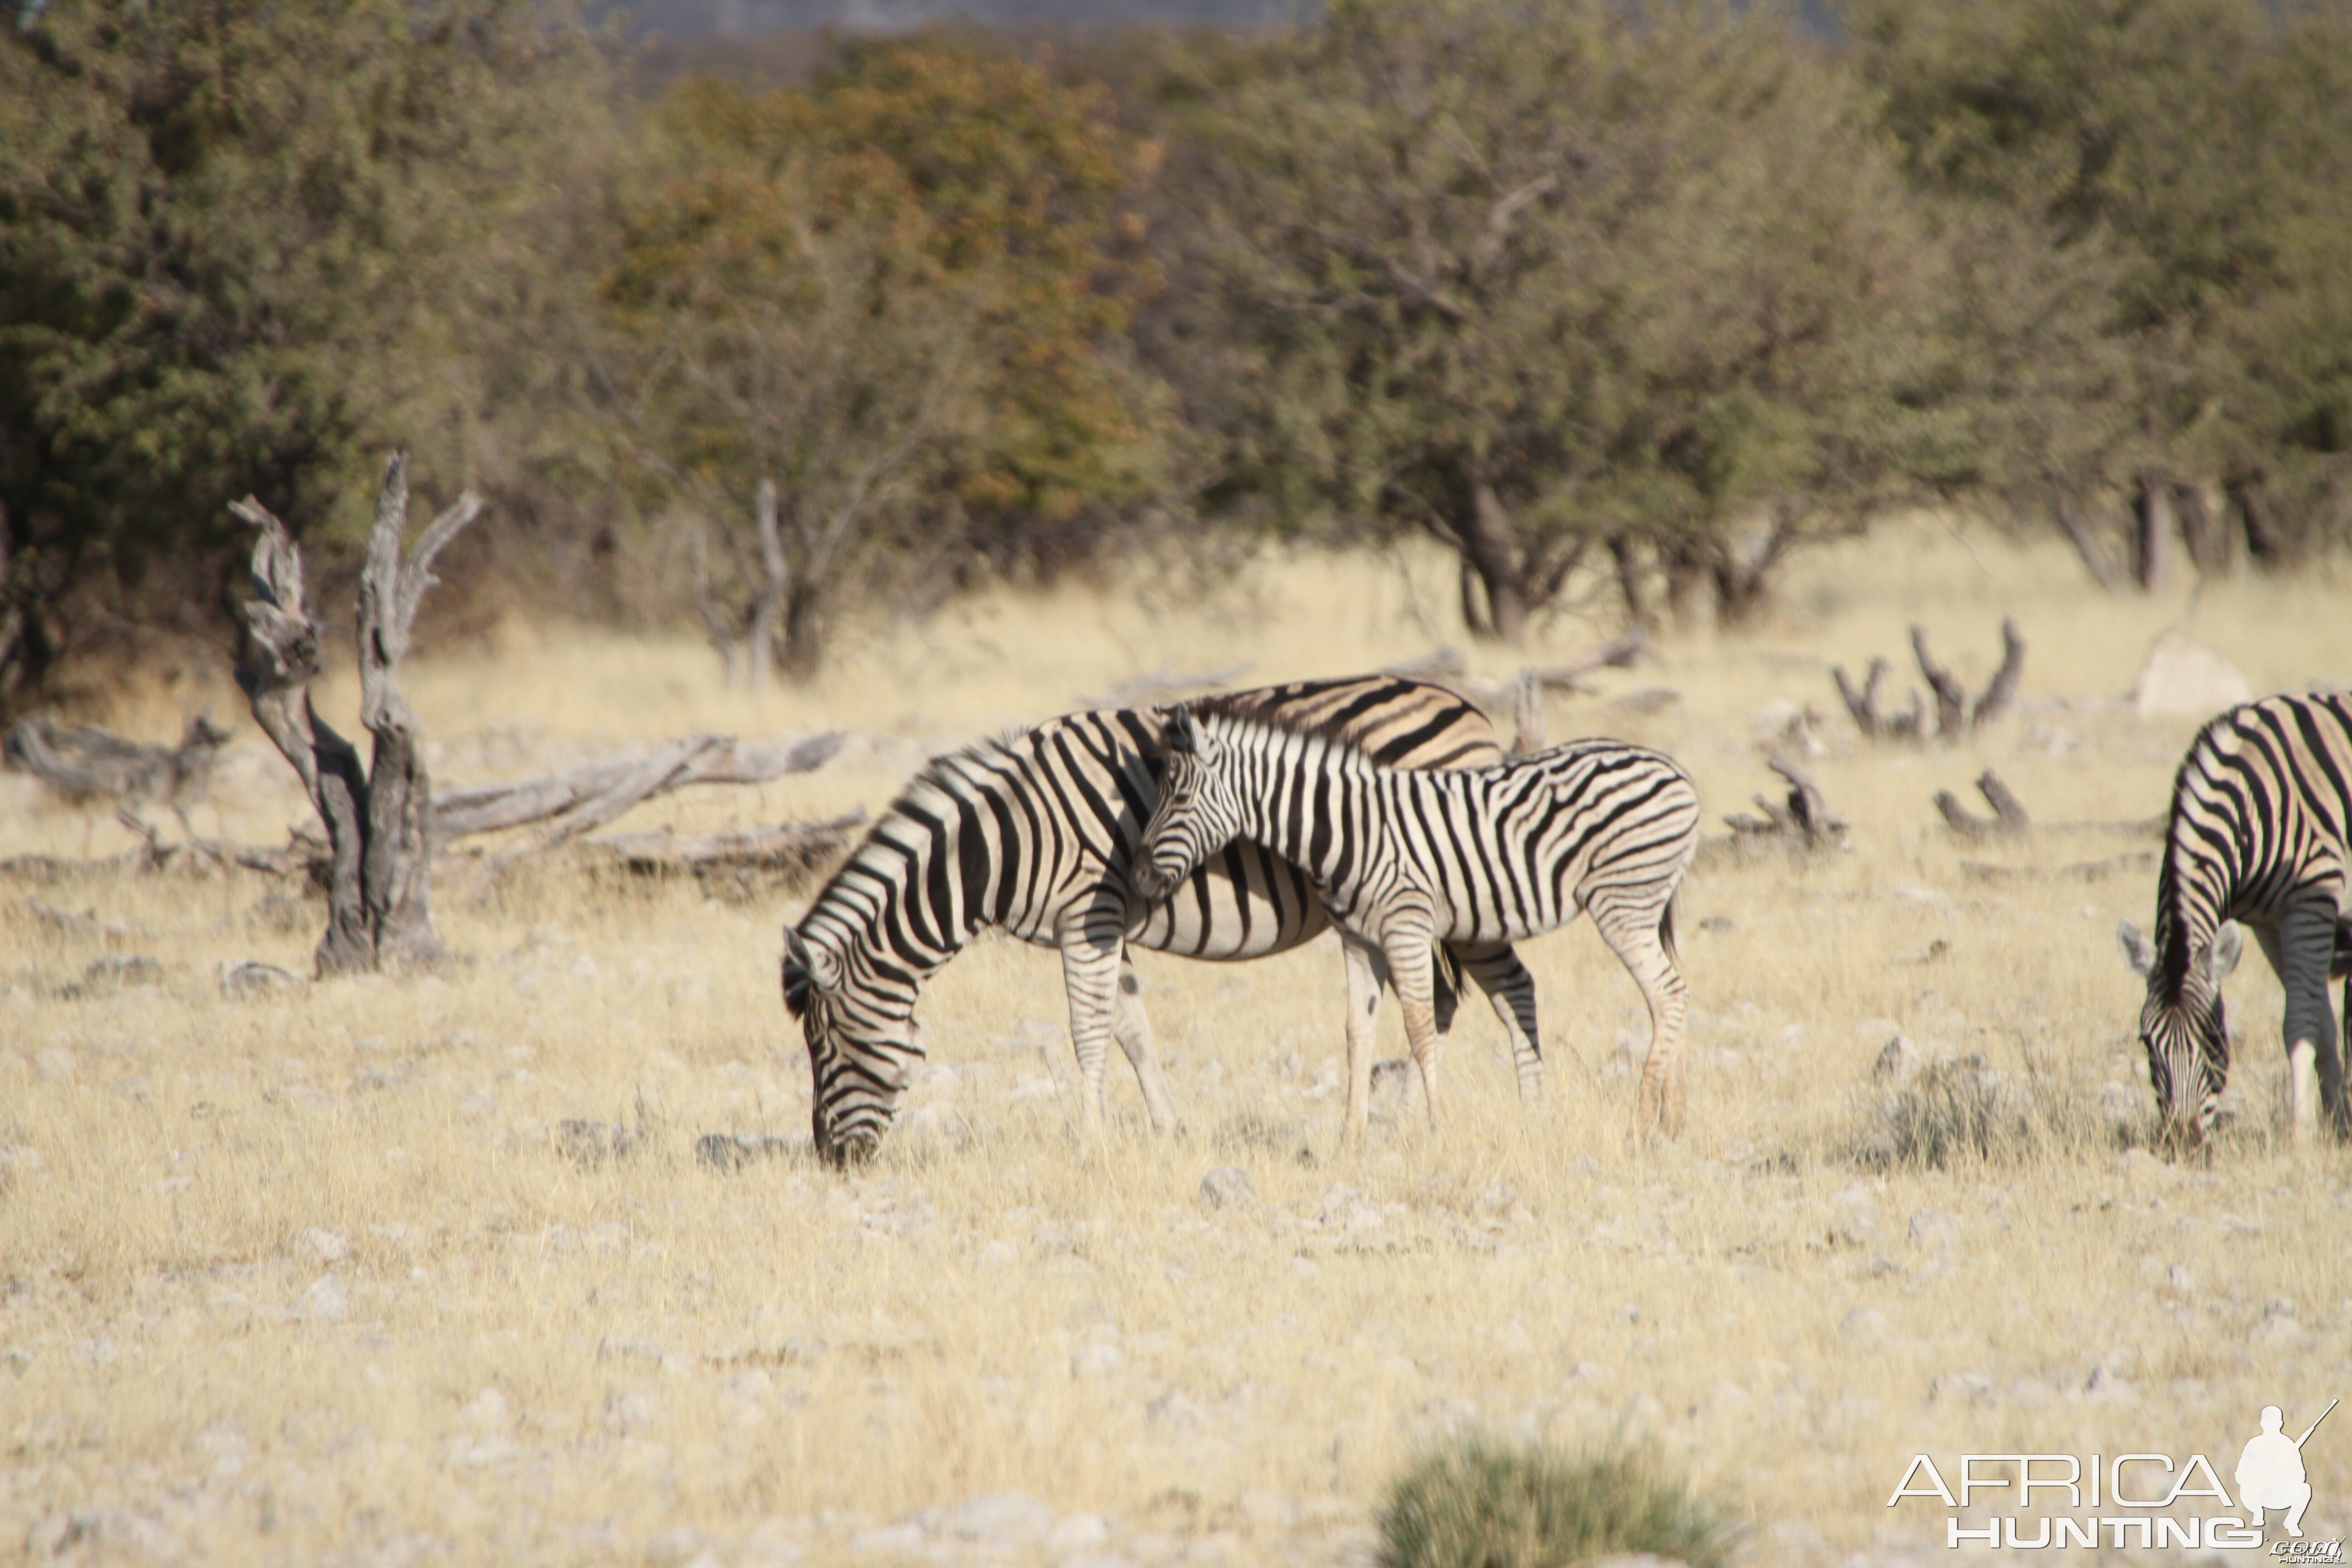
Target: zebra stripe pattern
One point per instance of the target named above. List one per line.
(1490, 855)
(1033, 834)
(2256, 839)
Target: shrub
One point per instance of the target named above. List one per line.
(1484, 1504)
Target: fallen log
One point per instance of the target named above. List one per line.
(82, 761)
(2079, 870)
(1804, 818)
(579, 800)
(783, 846)
(1956, 716)
(2009, 818)
(1160, 686)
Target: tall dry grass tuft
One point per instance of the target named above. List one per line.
(1485, 1504)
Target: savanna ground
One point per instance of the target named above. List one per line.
(307, 1278)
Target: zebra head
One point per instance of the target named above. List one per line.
(2181, 1024)
(857, 1063)
(1197, 815)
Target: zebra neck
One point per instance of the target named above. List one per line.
(2194, 896)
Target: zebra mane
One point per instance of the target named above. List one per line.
(1241, 708)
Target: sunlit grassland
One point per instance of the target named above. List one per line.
(781, 1359)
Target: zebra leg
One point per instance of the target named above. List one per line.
(1132, 1026)
(1408, 943)
(1091, 948)
(1367, 972)
(2306, 942)
(1512, 990)
(1636, 929)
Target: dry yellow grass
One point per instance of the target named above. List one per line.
(305, 1278)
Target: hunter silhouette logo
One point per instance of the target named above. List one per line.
(2043, 1501)
(2270, 1472)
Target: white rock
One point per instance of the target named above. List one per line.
(630, 1410)
(1970, 1387)
(1077, 1532)
(55, 1064)
(2181, 678)
(486, 1412)
(999, 1519)
(1228, 1186)
(1864, 1326)
(1095, 1360)
(997, 1255)
(323, 1246)
(325, 1300)
(1936, 1229)
(904, 1538)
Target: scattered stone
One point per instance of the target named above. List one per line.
(104, 1535)
(587, 1144)
(115, 970)
(1077, 1532)
(997, 1255)
(1095, 1360)
(1973, 1386)
(244, 982)
(1897, 1062)
(1864, 1326)
(486, 1412)
(323, 1246)
(55, 1064)
(326, 1300)
(2109, 1387)
(2183, 678)
(629, 1412)
(732, 1152)
(996, 1518)
(18, 1160)
(1176, 1410)
(904, 1539)
(1228, 1186)
(1936, 1230)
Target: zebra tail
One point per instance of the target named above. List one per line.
(1446, 985)
(1667, 928)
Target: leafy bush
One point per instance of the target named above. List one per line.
(1484, 1504)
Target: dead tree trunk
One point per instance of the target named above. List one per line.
(746, 639)
(380, 914)
(1955, 716)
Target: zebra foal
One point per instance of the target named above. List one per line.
(2256, 838)
(1406, 859)
(1031, 834)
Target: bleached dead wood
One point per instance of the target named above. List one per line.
(1161, 685)
(746, 638)
(1447, 667)
(82, 761)
(699, 758)
(2008, 816)
(2138, 860)
(785, 847)
(377, 818)
(1956, 716)
(1804, 817)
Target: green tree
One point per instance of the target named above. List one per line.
(2181, 170)
(895, 301)
(1538, 279)
(243, 247)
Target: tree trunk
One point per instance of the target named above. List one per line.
(1685, 569)
(2072, 522)
(760, 639)
(1627, 559)
(2249, 499)
(1476, 615)
(805, 609)
(2208, 541)
(2156, 527)
(378, 822)
(1487, 542)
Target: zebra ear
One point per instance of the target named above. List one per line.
(2229, 946)
(1181, 736)
(2137, 953)
(806, 966)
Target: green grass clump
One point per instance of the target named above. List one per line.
(1484, 1504)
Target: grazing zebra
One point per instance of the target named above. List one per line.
(1403, 859)
(2257, 836)
(1031, 834)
